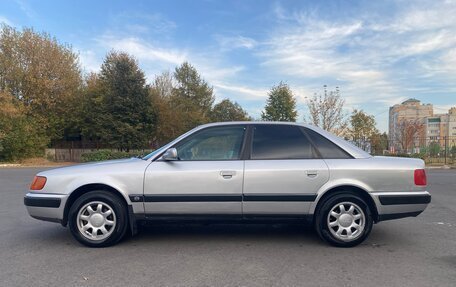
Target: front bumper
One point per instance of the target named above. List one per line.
(394, 205)
(45, 206)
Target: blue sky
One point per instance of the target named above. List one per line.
(378, 52)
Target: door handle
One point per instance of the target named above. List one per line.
(227, 174)
(312, 173)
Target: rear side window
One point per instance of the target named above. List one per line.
(327, 148)
(280, 142)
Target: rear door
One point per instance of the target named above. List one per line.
(283, 174)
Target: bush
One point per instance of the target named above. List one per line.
(400, 155)
(419, 155)
(414, 155)
(106, 155)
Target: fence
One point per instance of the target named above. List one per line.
(434, 149)
(72, 150)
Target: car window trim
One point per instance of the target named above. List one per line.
(247, 144)
(315, 150)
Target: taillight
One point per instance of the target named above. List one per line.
(38, 183)
(420, 177)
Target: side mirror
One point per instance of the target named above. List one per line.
(170, 154)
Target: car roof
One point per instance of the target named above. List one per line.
(253, 123)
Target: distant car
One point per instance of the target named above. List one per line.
(235, 172)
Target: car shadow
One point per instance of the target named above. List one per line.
(221, 234)
(299, 233)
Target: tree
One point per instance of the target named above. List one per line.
(362, 128)
(192, 96)
(379, 143)
(164, 84)
(407, 133)
(227, 111)
(169, 123)
(281, 104)
(434, 149)
(453, 151)
(128, 117)
(326, 111)
(91, 111)
(19, 135)
(42, 74)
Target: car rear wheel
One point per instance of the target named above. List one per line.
(344, 220)
(98, 219)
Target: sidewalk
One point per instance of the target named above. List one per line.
(34, 162)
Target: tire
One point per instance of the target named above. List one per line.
(350, 222)
(98, 219)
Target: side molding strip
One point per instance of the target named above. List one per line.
(280, 197)
(222, 198)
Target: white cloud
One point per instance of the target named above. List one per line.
(250, 93)
(26, 8)
(448, 60)
(215, 72)
(428, 43)
(425, 16)
(89, 61)
(141, 23)
(377, 60)
(235, 42)
(5, 20)
(143, 50)
(362, 55)
(443, 109)
(155, 59)
(308, 50)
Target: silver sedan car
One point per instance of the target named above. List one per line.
(235, 172)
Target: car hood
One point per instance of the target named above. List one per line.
(108, 165)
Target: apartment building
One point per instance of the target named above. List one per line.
(440, 128)
(409, 111)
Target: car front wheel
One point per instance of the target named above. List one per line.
(344, 220)
(98, 219)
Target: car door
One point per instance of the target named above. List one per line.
(205, 180)
(283, 173)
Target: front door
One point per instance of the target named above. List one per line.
(206, 180)
(283, 174)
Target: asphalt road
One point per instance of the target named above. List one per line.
(408, 252)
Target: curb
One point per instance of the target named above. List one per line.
(10, 165)
(440, 167)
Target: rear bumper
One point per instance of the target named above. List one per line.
(48, 207)
(391, 216)
(394, 205)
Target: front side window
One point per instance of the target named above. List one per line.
(280, 142)
(217, 143)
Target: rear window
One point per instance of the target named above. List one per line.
(327, 148)
(280, 142)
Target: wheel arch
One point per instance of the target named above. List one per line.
(364, 194)
(75, 194)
